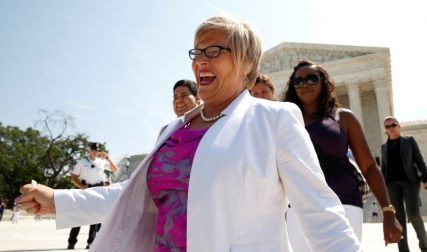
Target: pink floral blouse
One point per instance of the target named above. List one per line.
(167, 178)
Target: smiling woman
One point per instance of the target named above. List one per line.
(220, 177)
(334, 131)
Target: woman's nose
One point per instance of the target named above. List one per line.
(201, 60)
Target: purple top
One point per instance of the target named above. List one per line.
(167, 180)
(331, 144)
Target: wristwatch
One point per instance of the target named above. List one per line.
(389, 208)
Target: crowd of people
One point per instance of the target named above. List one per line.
(244, 169)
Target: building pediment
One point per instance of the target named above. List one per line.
(286, 55)
(367, 66)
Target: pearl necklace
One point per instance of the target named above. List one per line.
(206, 119)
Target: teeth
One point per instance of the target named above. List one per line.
(206, 74)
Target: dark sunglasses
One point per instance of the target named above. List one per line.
(310, 79)
(393, 125)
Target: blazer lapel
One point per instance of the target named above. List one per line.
(385, 154)
(402, 151)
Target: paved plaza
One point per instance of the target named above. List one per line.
(37, 236)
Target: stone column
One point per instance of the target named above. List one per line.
(383, 104)
(354, 100)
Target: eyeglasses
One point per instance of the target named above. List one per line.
(209, 52)
(310, 79)
(393, 125)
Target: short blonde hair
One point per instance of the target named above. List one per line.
(245, 44)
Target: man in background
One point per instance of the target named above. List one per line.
(90, 172)
(400, 164)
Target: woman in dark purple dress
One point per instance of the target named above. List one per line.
(334, 131)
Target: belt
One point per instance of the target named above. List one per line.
(98, 184)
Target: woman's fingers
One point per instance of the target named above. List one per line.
(393, 237)
(386, 237)
(37, 200)
(34, 210)
(393, 234)
(26, 188)
(26, 196)
(29, 204)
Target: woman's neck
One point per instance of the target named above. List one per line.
(214, 108)
(309, 113)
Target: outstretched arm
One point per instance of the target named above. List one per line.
(73, 207)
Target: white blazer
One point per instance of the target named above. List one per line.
(248, 166)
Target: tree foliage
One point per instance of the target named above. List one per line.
(46, 156)
(21, 158)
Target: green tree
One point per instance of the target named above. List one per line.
(60, 158)
(21, 153)
(47, 156)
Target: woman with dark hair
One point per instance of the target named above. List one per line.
(334, 130)
(184, 96)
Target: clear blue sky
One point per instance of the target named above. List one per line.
(112, 64)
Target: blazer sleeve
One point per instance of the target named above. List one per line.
(77, 207)
(318, 210)
(418, 159)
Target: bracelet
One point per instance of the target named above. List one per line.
(389, 208)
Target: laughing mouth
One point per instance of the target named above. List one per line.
(206, 78)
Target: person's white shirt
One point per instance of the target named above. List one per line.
(92, 171)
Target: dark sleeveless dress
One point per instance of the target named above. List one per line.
(331, 144)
